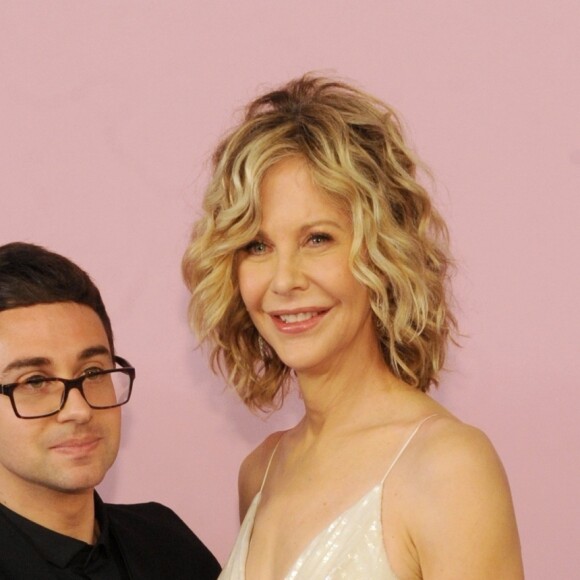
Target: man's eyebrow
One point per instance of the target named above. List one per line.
(94, 351)
(41, 361)
(22, 363)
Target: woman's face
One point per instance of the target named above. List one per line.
(295, 278)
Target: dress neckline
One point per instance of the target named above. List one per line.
(309, 546)
(376, 487)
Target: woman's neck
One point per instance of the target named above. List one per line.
(340, 398)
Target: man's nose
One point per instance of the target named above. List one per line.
(75, 407)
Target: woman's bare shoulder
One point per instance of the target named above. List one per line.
(448, 432)
(452, 447)
(253, 469)
(449, 450)
(459, 491)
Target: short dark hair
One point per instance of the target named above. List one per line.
(31, 274)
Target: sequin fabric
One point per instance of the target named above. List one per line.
(351, 547)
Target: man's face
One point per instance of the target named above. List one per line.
(71, 451)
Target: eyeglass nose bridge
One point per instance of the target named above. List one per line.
(69, 385)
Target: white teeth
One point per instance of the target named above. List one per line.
(300, 317)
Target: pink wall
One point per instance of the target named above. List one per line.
(109, 111)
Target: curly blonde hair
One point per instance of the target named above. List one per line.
(355, 150)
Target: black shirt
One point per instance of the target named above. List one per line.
(71, 558)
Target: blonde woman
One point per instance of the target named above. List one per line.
(321, 260)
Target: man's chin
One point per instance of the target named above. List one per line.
(78, 483)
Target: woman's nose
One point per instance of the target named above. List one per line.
(288, 274)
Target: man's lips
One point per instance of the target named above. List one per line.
(76, 446)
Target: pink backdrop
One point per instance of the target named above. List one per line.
(109, 111)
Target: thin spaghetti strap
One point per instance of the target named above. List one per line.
(270, 462)
(405, 445)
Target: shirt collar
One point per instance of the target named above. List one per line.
(59, 549)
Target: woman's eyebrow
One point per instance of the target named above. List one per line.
(318, 223)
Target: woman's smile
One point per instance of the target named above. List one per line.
(299, 321)
(295, 277)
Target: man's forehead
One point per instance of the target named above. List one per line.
(55, 312)
(52, 332)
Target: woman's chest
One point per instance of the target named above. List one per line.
(289, 526)
(350, 547)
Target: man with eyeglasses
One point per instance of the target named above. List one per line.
(61, 389)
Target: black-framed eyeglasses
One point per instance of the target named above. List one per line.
(45, 396)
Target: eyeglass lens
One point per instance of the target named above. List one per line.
(101, 390)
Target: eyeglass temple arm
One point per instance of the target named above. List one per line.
(122, 361)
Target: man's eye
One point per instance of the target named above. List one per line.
(35, 382)
(93, 373)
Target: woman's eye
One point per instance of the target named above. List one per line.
(318, 239)
(256, 248)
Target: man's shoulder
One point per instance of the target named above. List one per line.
(146, 530)
(148, 519)
(140, 511)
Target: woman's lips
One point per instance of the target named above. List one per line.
(298, 317)
(297, 322)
